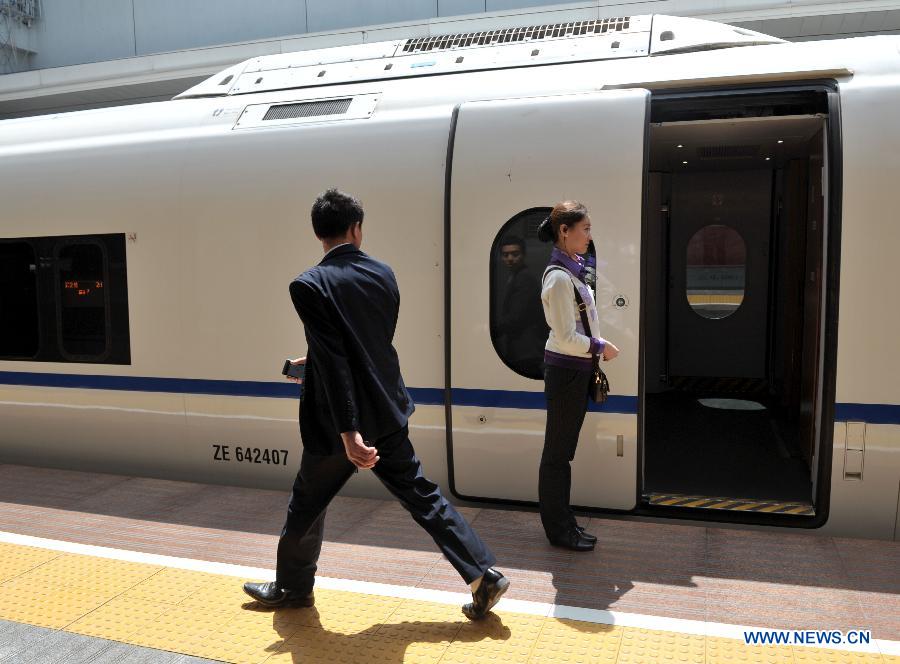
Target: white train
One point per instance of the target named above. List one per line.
(742, 193)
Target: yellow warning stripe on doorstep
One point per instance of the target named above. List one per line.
(207, 615)
(732, 504)
(713, 298)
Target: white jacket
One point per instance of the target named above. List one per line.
(567, 335)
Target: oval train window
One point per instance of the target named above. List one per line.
(518, 329)
(716, 271)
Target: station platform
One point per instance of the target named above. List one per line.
(105, 568)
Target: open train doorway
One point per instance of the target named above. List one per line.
(734, 303)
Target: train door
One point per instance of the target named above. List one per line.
(722, 219)
(510, 160)
(734, 303)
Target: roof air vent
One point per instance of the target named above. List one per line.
(308, 109)
(513, 35)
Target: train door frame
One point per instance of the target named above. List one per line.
(781, 94)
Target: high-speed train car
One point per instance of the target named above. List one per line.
(745, 234)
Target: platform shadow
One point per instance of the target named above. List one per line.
(303, 637)
(630, 564)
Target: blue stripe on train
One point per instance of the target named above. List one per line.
(872, 413)
(237, 388)
(531, 400)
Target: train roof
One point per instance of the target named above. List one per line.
(579, 41)
(501, 66)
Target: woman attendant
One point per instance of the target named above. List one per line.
(568, 359)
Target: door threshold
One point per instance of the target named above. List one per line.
(729, 504)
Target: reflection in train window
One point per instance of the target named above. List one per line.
(716, 270)
(83, 304)
(518, 329)
(19, 331)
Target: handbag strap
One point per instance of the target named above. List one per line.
(582, 310)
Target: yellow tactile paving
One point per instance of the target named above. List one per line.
(729, 651)
(422, 622)
(500, 637)
(309, 644)
(169, 585)
(118, 619)
(646, 646)
(16, 560)
(207, 615)
(21, 604)
(582, 641)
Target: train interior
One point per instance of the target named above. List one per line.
(733, 243)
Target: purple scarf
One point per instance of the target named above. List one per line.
(579, 267)
(576, 267)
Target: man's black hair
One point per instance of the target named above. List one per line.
(333, 213)
(513, 239)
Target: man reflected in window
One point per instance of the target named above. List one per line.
(521, 331)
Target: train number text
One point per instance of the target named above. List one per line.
(244, 454)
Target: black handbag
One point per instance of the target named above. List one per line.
(598, 390)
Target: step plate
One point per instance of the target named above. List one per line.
(730, 504)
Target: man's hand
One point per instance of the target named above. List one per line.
(299, 360)
(610, 351)
(360, 455)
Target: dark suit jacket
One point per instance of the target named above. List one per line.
(521, 326)
(348, 304)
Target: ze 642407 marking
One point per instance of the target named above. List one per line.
(246, 454)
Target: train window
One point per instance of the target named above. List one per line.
(716, 270)
(64, 299)
(19, 332)
(83, 306)
(518, 329)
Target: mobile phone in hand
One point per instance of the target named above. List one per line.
(293, 370)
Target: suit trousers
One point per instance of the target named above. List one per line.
(321, 477)
(567, 400)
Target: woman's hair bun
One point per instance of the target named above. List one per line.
(564, 213)
(545, 231)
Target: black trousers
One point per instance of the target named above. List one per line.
(321, 477)
(567, 399)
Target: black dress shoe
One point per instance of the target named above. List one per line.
(271, 594)
(492, 587)
(574, 541)
(590, 538)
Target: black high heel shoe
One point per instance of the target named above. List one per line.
(587, 536)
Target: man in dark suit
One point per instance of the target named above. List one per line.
(355, 413)
(521, 328)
